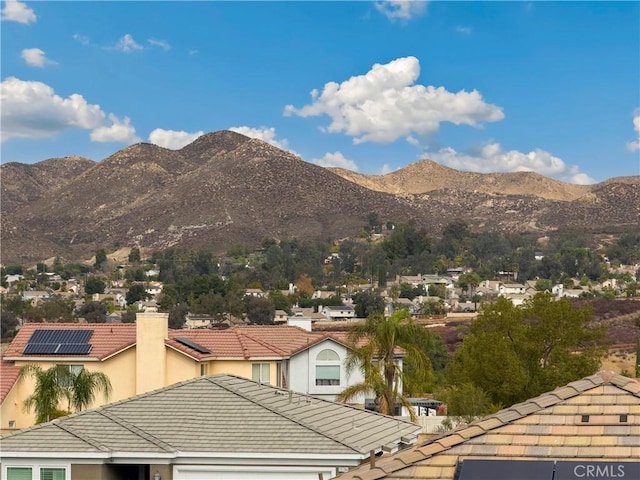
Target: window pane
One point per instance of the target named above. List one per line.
(18, 473)
(266, 377)
(52, 474)
(328, 372)
(255, 372)
(328, 355)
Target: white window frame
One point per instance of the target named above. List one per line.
(333, 362)
(262, 366)
(36, 468)
(74, 369)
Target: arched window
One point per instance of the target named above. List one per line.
(327, 367)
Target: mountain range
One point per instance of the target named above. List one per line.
(225, 189)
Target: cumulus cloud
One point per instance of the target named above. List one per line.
(33, 110)
(463, 30)
(403, 10)
(35, 57)
(15, 11)
(384, 104)
(635, 146)
(266, 134)
(173, 139)
(127, 44)
(163, 44)
(120, 131)
(335, 159)
(491, 158)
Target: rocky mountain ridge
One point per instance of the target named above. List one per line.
(225, 188)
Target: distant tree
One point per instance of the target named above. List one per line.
(101, 259)
(94, 284)
(93, 312)
(57, 309)
(134, 255)
(128, 316)
(136, 293)
(305, 285)
(543, 285)
(8, 324)
(367, 303)
(178, 315)
(260, 310)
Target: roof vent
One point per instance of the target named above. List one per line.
(623, 418)
(584, 419)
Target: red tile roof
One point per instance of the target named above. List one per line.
(106, 339)
(8, 376)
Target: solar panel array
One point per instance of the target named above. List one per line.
(59, 342)
(192, 345)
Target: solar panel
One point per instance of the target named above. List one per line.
(59, 342)
(60, 336)
(193, 345)
(506, 470)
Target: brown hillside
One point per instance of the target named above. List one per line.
(426, 176)
(225, 189)
(22, 184)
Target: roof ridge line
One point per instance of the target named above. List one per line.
(277, 412)
(137, 431)
(82, 437)
(264, 343)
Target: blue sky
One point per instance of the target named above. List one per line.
(552, 87)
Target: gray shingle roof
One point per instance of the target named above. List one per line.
(218, 413)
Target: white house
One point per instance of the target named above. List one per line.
(335, 312)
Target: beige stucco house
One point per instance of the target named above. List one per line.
(147, 355)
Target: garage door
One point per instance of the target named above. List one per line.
(214, 472)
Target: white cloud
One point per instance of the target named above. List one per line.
(163, 44)
(14, 11)
(120, 131)
(386, 168)
(491, 158)
(172, 139)
(266, 134)
(82, 39)
(463, 30)
(401, 9)
(127, 44)
(33, 110)
(335, 159)
(635, 146)
(384, 104)
(35, 57)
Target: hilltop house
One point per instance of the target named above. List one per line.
(147, 355)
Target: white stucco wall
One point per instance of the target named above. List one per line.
(302, 373)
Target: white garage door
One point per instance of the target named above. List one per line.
(215, 472)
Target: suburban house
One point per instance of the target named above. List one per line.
(338, 312)
(506, 289)
(586, 429)
(146, 355)
(221, 427)
(35, 296)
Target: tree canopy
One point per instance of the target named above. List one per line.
(514, 353)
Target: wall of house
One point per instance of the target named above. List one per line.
(302, 373)
(242, 368)
(180, 367)
(11, 410)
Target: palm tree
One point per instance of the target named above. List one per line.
(57, 383)
(373, 349)
(84, 387)
(48, 391)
